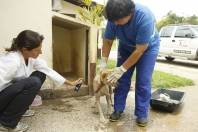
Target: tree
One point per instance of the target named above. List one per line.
(192, 19)
(172, 18)
(91, 13)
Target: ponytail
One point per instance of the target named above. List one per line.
(13, 47)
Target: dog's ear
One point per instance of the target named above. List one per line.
(110, 70)
(107, 71)
(104, 75)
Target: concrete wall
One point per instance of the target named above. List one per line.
(93, 33)
(75, 50)
(70, 8)
(69, 51)
(79, 44)
(18, 15)
(62, 49)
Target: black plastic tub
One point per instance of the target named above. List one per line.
(176, 98)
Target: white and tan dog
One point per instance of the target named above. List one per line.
(102, 88)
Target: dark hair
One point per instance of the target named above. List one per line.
(26, 39)
(116, 9)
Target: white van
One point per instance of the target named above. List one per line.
(179, 41)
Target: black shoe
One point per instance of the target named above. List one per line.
(142, 121)
(115, 116)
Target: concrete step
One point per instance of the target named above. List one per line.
(63, 92)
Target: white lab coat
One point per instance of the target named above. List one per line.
(12, 66)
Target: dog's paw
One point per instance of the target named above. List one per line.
(109, 111)
(93, 106)
(104, 121)
(95, 112)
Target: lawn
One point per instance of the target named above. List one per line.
(161, 79)
(115, 45)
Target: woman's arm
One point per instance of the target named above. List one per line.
(59, 80)
(41, 65)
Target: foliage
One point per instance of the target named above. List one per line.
(91, 13)
(172, 18)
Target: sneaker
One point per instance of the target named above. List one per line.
(3, 129)
(29, 113)
(141, 121)
(115, 116)
(21, 127)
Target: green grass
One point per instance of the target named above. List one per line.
(114, 46)
(161, 79)
(165, 80)
(111, 64)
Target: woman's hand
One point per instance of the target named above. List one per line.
(78, 81)
(74, 83)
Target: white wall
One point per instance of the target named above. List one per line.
(70, 8)
(62, 49)
(102, 2)
(93, 44)
(18, 15)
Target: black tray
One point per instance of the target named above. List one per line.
(175, 96)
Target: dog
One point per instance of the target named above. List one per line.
(102, 88)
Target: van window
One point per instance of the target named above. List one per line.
(166, 31)
(183, 32)
(196, 28)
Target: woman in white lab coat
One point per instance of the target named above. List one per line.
(22, 74)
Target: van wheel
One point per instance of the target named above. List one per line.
(169, 58)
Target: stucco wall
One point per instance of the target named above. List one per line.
(93, 44)
(70, 8)
(79, 41)
(69, 47)
(93, 32)
(62, 49)
(18, 15)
